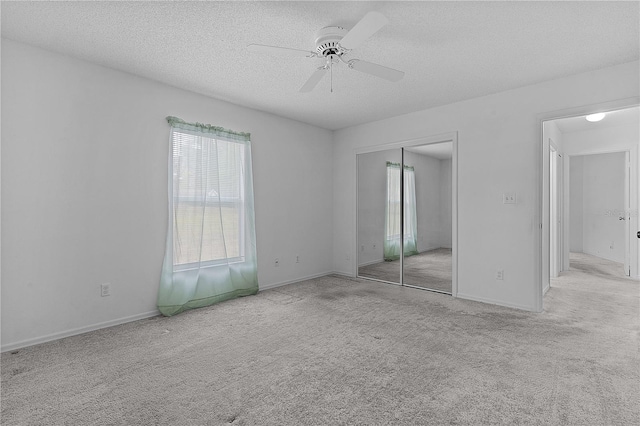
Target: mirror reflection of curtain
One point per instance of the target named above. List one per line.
(392, 213)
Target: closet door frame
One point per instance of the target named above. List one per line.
(428, 140)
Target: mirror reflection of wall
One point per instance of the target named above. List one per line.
(372, 201)
(427, 216)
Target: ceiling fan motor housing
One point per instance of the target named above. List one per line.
(327, 41)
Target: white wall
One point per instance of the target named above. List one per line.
(603, 202)
(576, 177)
(498, 151)
(428, 188)
(84, 171)
(372, 196)
(603, 139)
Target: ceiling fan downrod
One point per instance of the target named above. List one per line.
(331, 71)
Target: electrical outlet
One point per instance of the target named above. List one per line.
(105, 289)
(347, 257)
(362, 247)
(374, 246)
(500, 274)
(297, 258)
(276, 262)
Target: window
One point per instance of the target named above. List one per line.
(392, 241)
(210, 255)
(208, 199)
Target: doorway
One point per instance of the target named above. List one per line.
(406, 213)
(590, 192)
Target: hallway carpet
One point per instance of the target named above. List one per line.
(335, 350)
(596, 266)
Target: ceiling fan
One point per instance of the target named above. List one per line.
(332, 44)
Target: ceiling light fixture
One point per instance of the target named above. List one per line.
(595, 117)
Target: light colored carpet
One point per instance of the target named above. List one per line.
(341, 351)
(430, 269)
(582, 262)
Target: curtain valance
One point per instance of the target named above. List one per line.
(390, 164)
(178, 123)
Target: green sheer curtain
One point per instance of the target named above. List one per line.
(210, 253)
(392, 240)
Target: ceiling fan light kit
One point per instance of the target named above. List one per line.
(328, 41)
(332, 43)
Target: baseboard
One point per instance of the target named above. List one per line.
(495, 302)
(343, 274)
(280, 284)
(429, 249)
(370, 262)
(75, 331)
(603, 257)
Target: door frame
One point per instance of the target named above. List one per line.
(543, 182)
(427, 140)
(561, 209)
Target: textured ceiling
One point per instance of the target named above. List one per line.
(449, 50)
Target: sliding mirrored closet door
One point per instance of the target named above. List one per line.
(377, 196)
(427, 206)
(409, 189)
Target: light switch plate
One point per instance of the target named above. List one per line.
(509, 198)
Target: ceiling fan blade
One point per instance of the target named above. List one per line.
(280, 51)
(368, 26)
(377, 70)
(314, 80)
